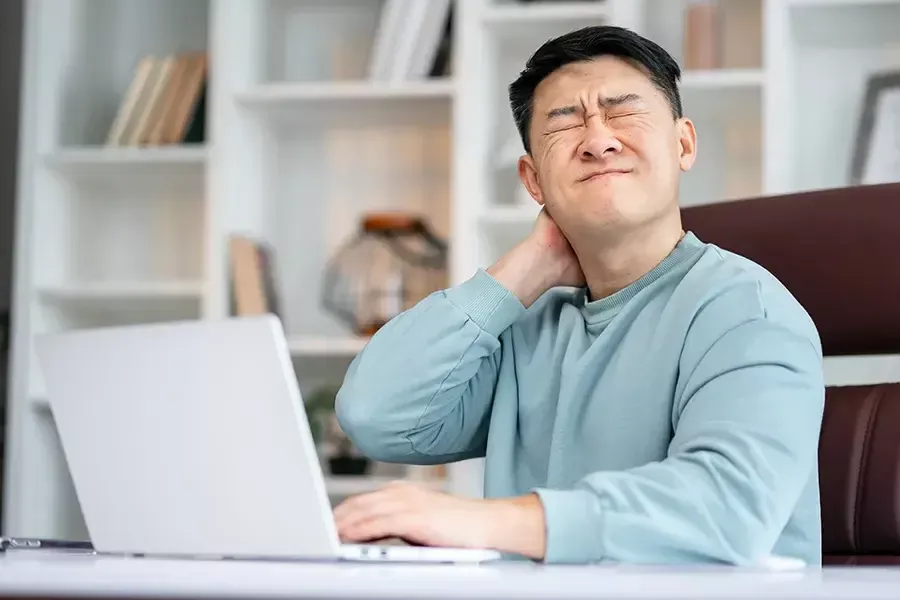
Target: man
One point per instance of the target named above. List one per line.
(666, 410)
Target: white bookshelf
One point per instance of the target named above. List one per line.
(300, 143)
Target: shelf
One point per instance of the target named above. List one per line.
(526, 26)
(861, 370)
(350, 485)
(129, 166)
(541, 13)
(343, 91)
(716, 79)
(127, 295)
(320, 346)
(518, 216)
(343, 100)
(840, 3)
(856, 26)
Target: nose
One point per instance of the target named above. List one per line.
(599, 142)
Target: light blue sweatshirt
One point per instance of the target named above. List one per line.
(676, 421)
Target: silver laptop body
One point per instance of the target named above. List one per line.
(190, 439)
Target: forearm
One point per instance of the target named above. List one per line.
(420, 392)
(669, 512)
(744, 450)
(692, 510)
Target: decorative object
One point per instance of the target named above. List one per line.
(876, 157)
(394, 261)
(343, 458)
(319, 410)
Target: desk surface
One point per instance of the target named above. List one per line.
(33, 573)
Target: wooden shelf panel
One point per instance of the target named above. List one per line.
(718, 79)
(526, 26)
(340, 103)
(841, 3)
(111, 156)
(128, 297)
(132, 167)
(125, 291)
(348, 485)
(538, 13)
(517, 216)
(322, 346)
(850, 25)
(345, 91)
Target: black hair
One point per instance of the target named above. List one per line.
(586, 44)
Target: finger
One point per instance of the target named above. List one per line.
(359, 502)
(378, 507)
(376, 528)
(362, 502)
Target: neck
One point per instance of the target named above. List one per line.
(612, 263)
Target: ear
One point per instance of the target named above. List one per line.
(528, 175)
(687, 144)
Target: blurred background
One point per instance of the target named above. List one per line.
(333, 161)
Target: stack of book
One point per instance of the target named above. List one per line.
(165, 103)
(722, 35)
(413, 41)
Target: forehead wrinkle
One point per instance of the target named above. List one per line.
(604, 102)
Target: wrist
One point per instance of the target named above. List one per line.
(517, 526)
(522, 271)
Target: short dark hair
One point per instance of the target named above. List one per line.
(586, 44)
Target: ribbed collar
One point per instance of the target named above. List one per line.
(606, 308)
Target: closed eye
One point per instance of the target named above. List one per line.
(564, 128)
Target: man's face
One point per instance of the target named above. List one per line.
(606, 152)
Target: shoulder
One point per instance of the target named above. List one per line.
(735, 297)
(556, 310)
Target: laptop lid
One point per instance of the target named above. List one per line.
(189, 438)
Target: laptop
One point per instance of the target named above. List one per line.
(190, 439)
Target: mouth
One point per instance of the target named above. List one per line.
(605, 174)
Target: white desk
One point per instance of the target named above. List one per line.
(34, 573)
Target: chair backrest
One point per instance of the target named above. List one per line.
(838, 252)
(859, 475)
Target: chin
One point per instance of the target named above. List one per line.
(612, 210)
(597, 217)
(606, 201)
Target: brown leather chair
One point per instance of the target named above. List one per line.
(838, 252)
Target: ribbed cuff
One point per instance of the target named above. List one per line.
(572, 524)
(487, 302)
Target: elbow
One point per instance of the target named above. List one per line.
(749, 546)
(363, 421)
(743, 516)
(748, 536)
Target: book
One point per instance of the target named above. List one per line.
(252, 278)
(165, 103)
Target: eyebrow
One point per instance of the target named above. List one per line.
(606, 102)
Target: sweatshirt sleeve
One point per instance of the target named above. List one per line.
(421, 390)
(744, 446)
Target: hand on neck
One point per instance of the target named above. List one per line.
(611, 264)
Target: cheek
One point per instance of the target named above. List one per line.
(556, 159)
(658, 152)
(638, 139)
(559, 148)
